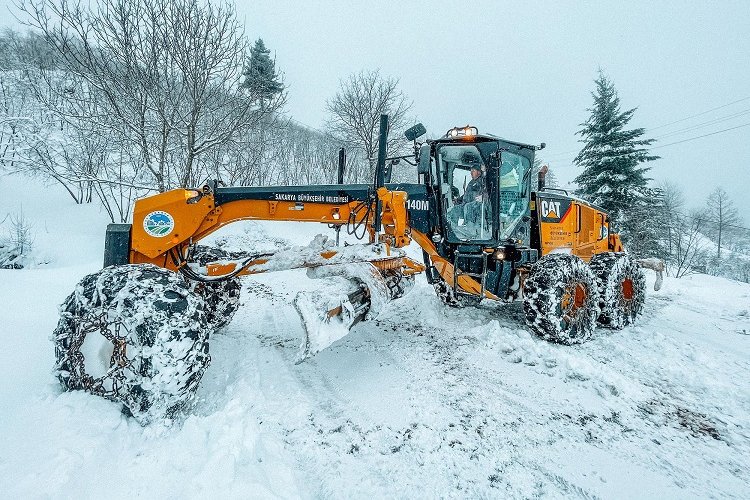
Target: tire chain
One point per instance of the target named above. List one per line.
(77, 363)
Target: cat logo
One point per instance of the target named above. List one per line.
(551, 209)
(554, 210)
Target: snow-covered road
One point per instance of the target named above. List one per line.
(424, 401)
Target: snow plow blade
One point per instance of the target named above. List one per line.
(657, 265)
(352, 293)
(358, 280)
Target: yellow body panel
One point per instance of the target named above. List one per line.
(580, 228)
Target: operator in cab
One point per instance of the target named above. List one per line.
(469, 206)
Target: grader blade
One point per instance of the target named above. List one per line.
(356, 282)
(348, 294)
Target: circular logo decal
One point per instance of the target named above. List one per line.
(158, 224)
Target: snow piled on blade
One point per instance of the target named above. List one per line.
(347, 294)
(326, 316)
(310, 255)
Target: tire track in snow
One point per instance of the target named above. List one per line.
(477, 427)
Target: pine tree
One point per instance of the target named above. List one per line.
(648, 222)
(261, 78)
(611, 157)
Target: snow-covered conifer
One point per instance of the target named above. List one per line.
(261, 77)
(611, 158)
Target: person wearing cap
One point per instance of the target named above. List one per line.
(475, 195)
(468, 207)
(475, 189)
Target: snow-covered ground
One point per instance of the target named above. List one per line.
(424, 401)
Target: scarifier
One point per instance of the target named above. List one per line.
(137, 331)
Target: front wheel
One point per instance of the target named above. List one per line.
(561, 299)
(622, 288)
(134, 334)
(222, 297)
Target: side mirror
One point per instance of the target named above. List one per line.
(424, 159)
(417, 130)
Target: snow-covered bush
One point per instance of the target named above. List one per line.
(17, 242)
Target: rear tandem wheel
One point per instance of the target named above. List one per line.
(622, 288)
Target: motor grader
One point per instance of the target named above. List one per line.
(137, 331)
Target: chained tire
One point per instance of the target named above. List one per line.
(445, 293)
(561, 299)
(622, 288)
(222, 297)
(134, 334)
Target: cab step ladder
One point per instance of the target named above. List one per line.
(458, 272)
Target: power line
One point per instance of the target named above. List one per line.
(710, 122)
(698, 217)
(672, 143)
(563, 152)
(701, 136)
(704, 124)
(699, 114)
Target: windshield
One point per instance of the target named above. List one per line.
(514, 170)
(469, 186)
(463, 177)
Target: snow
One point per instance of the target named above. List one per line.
(421, 401)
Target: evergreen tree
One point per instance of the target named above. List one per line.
(611, 157)
(649, 222)
(261, 77)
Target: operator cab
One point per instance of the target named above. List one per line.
(483, 183)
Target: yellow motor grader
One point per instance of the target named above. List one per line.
(137, 331)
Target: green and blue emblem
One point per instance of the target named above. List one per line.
(158, 224)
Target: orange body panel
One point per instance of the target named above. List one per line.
(581, 228)
(189, 217)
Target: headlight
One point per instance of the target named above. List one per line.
(192, 196)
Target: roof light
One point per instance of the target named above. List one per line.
(466, 131)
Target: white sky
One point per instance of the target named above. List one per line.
(525, 70)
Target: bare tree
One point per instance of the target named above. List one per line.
(722, 214)
(673, 204)
(166, 74)
(355, 116)
(688, 248)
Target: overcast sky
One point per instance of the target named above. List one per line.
(525, 70)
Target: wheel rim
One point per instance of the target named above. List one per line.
(571, 305)
(627, 289)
